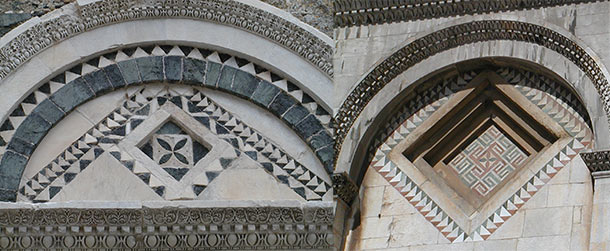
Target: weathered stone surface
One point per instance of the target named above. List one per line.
(226, 78)
(326, 155)
(309, 126)
(36, 7)
(72, 94)
(130, 72)
(49, 111)
(295, 114)
(212, 74)
(5, 194)
(265, 93)
(281, 104)
(21, 147)
(244, 84)
(317, 13)
(321, 139)
(8, 21)
(114, 75)
(151, 68)
(98, 81)
(193, 71)
(32, 129)
(173, 68)
(11, 173)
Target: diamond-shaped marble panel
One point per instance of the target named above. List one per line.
(174, 150)
(487, 161)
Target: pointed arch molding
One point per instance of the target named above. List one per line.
(455, 36)
(74, 19)
(54, 100)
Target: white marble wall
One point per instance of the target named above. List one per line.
(600, 229)
(558, 217)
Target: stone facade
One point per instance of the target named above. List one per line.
(241, 124)
(398, 71)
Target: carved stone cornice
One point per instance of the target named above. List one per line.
(344, 187)
(597, 161)
(365, 12)
(455, 36)
(106, 12)
(284, 227)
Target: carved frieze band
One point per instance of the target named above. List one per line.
(365, 12)
(455, 36)
(168, 228)
(344, 188)
(597, 161)
(232, 13)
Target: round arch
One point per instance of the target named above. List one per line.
(387, 118)
(73, 33)
(469, 40)
(142, 70)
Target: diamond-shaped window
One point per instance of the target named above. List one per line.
(485, 137)
(174, 150)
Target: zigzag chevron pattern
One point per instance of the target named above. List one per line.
(105, 136)
(9, 125)
(559, 110)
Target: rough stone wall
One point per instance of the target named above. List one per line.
(317, 13)
(14, 13)
(35, 7)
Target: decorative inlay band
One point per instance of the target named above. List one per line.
(52, 101)
(213, 228)
(366, 12)
(597, 161)
(448, 38)
(137, 109)
(105, 12)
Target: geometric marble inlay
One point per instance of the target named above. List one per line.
(472, 126)
(174, 150)
(485, 162)
(176, 140)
